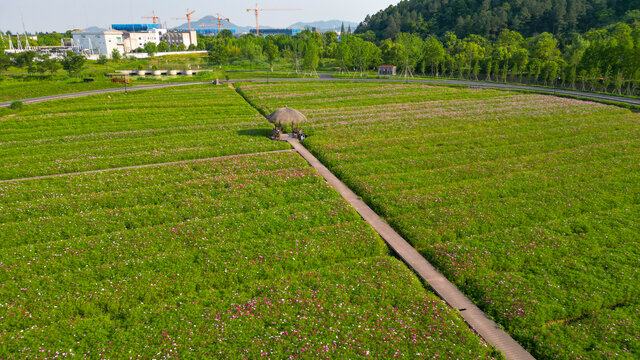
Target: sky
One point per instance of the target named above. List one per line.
(62, 15)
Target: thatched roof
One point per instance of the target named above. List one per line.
(286, 116)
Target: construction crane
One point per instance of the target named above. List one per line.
(188, 18)
(220, 20)
(156, 19)
(257, 12)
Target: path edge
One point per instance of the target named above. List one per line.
(491, 332)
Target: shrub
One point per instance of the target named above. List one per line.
(16, 105)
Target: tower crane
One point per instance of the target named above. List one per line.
(220, 20)
(257, 11)
(188, 18)
(156, 19)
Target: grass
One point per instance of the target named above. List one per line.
(115, 130)
(528, 203)
(254, 257)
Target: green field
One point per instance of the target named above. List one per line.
(105, 131)
(239, 257)
(528, 203)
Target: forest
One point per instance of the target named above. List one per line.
(489, 17)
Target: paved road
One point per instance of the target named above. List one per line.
(476, 84)
(96, 92)
(475, 317)
(328, 77)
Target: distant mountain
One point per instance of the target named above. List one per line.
(334, 25)
(210, 22)
(94, 29)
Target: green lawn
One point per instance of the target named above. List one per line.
(244, 257)
(529, 203)
(143, 127)
(238, 257)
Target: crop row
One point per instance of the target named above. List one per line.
(116, 130)
(528, 203)
(240, 257)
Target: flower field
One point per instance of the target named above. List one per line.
(245, 257)
(530, 204)
(116, 130)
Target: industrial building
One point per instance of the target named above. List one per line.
(178, 38)
(266, 32)
(129, 37)
(102, 43)
(137, 40)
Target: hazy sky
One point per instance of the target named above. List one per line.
(60, 15)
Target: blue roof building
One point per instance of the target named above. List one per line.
(213, 32)
(135, 27)
(267, 32)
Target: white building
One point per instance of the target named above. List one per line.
(181, 37)
(102, 43)
(135, 40)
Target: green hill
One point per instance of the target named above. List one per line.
(489, 17)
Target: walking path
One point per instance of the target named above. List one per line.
(327, 77)
(477, 319)
(142, 166)
(102, 91)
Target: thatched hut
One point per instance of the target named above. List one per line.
(287, 116)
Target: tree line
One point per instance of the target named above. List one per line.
(42, 63)
(605, 59)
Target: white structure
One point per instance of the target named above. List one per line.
(135, 40)
(102, 43)
(181, 37)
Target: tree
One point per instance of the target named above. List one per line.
(272, 53)
(182, 47)
(311, 57)
(163, 46)
(250, 50)
(24, 59)
(365, 54)
(102, 59)
(50, 65)
(225, 34)
(115, 55)
(433, 52)
(343, 54)
(219, 54)
(409, 48)
(73, 63)
(150, 48)
(5, 61)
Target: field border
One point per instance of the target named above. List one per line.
(143, 166)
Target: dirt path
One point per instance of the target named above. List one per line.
(142, 166)
(477, 319)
